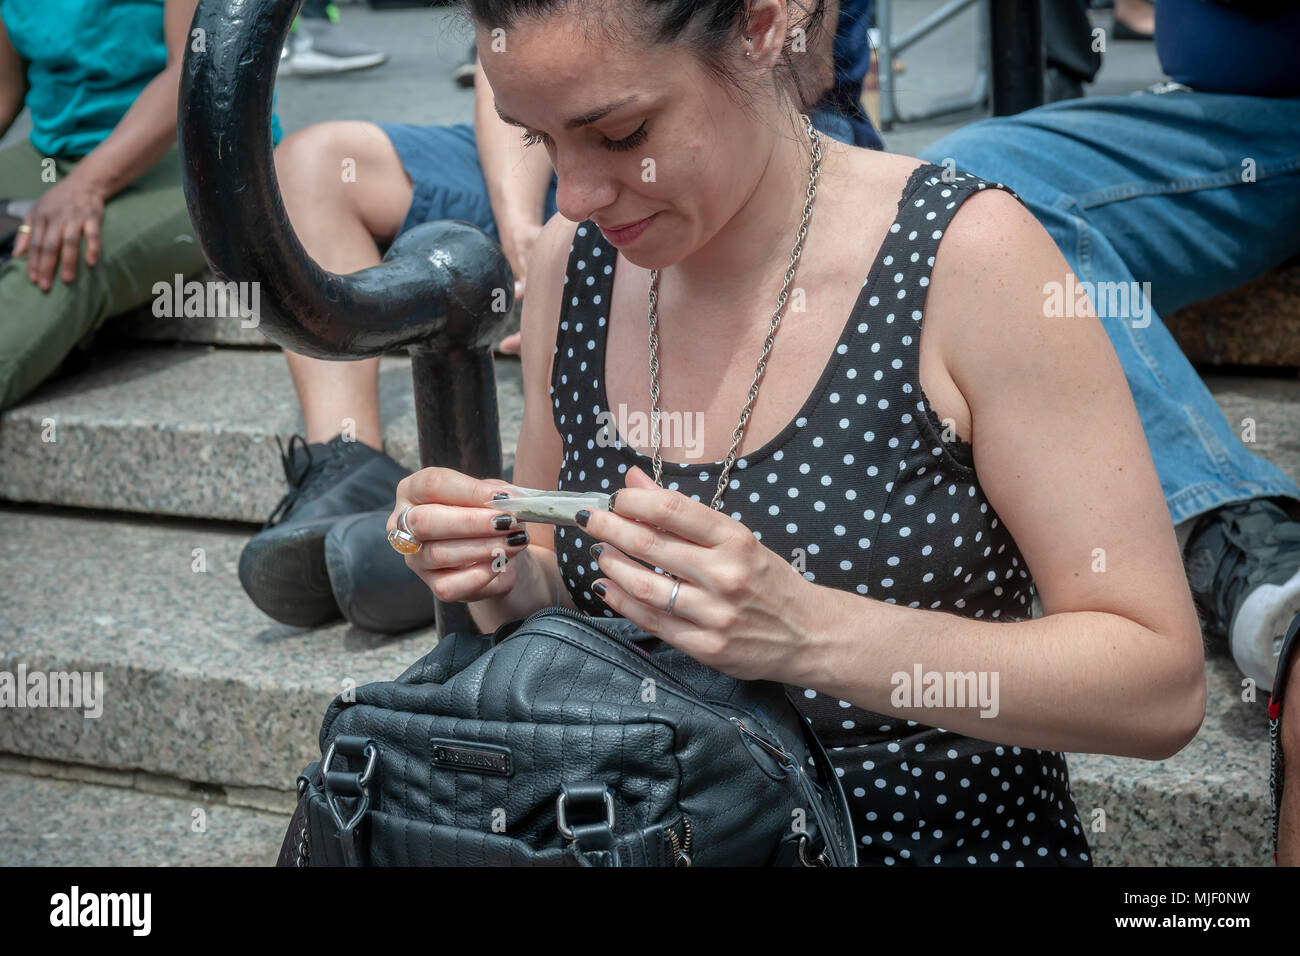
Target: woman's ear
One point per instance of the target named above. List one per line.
(766, 27)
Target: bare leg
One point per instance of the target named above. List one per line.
(344, 188)
(1139, 15)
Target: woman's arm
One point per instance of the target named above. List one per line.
(539, 450)
(13, 83)
(1116, 664)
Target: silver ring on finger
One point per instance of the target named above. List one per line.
(672, 600)
(401, 539)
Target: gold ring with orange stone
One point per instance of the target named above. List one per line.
(401, 539)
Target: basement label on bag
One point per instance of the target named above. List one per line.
(471, 756)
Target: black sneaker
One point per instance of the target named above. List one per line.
(1243, 565)
(372, 585)
(283, 566)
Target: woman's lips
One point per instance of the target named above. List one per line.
(628, 234)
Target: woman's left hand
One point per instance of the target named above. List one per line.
(741, 609)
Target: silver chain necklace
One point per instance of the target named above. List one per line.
(739, 432)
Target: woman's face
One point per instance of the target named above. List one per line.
(673, 146)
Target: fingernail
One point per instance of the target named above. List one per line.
(611, 500)
(582, 517)
(595, 550)
(599, 589)
(517, 537)
(501, 522)
(499, 495)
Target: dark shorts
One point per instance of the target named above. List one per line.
(443, 164)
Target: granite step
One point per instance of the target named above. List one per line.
(189, 431)
(59, 822)
(1257, 324)
(199, 686)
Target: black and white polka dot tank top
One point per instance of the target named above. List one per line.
(863, 490)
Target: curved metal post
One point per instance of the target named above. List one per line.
(443, 291)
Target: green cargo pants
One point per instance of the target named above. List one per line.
(146, 238)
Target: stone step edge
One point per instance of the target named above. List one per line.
(160, 785)
(1114, 847)
(1182, 827)
(1183, 805)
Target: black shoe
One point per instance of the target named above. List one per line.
(283, 566)
(1059, 85)
(372, 585)
(1243, 564)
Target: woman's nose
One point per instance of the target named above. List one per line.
(582, 187)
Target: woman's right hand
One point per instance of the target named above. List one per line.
(467, 548)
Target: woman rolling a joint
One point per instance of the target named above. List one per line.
(925, 451)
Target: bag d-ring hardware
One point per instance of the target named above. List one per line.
(352, 785)
(562, 821)
(821, 859)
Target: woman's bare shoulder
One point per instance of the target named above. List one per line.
(542, 301)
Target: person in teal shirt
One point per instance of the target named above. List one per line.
(98, 183)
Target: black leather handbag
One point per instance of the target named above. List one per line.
(568, 740)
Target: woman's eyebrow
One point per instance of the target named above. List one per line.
(586, 119)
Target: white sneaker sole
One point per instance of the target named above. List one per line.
(1260, 626)
(309, 63)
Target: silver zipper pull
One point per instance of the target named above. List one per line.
(786, 760)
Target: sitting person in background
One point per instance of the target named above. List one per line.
(1192, 188)
(1197, 195)
(407, 175)
(100, 78)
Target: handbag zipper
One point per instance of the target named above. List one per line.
(681, 846)
(304, 847)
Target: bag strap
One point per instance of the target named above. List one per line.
(840, 840)
(349, 784)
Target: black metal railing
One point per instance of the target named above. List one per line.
(443, 291)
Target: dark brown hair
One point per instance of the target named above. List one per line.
(709, 29)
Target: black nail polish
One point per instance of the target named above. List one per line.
(517, 538)
(501, 522)
(599, 589)
(499, 495)
(595, 550)
(611, 500)
(582, 517)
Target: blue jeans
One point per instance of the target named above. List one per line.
(1192, 192)
(443, 164)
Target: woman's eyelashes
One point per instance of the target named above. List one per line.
(630, 142)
